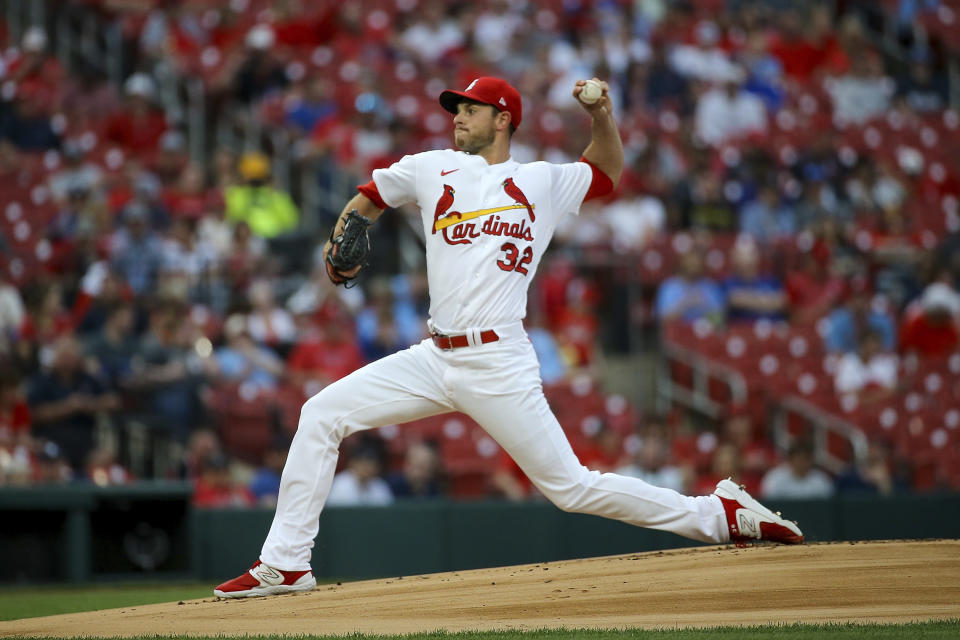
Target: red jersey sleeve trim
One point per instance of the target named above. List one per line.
(600, 185)
(370, 190)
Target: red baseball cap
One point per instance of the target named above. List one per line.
(488, 90)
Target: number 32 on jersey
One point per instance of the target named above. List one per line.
(514, 259)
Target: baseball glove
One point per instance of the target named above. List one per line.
(347, 252)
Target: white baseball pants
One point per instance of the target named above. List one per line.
(496, 384)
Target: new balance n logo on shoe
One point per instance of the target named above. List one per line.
(267, 574)
(748, 526)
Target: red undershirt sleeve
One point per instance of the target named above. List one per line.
(600, 185)
(370, 190)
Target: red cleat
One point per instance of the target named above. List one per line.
(263, 580)
(749, 520)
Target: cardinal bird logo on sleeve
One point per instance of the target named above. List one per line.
(514, 192)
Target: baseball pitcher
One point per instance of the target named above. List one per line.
(487, 220)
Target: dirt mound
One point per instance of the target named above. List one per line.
(875, 582)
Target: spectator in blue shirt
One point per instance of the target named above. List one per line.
(849, 322)
(767, 218)
(690, 295)
(265, 483)
(751, 295)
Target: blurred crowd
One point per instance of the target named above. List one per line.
(164, 316)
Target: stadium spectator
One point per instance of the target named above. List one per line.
(190, 269)
(114, 347)
(797, 478)
(104, 470)
(708, 208)
(170, 158)
(751, 295)
(724, 463)
(862, 94)
(269, 323)
(689, 295)
(136, 253)
(420, 476)
(361, 484)
(312, 106)
(27, 124)
(246, 257)
(931, 324)
(12, 313)
(651, 463)
(241, 361)
(874, 474)
(705, 59)
(140, 189)
(509, 482)
(764, 72)
(663, 87)
(377, 332)
(14, 413)
(33, 64)
(922, 88)
(754, 452)
(216, 487)
(265, 483)
(767, 218)
(268, 211)
(331, 353)
(432, 35)
(166, 373)
(78, 175)
(634, 219)
(799, 54)
(65, 400)
(202, 445)
(603, 451)
(259, 71)
(847, 324)
(870, 373)
(729, 112)
(813, 288)
(138, 126)
(576, 325)
(553, 369)
(50, 466)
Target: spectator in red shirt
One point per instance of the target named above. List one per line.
(14, 413)
(931, 324)
(139, 125)
(329, 356)
(812, 290)
(33, 64)
(215, 488)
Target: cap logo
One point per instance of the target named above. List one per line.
(502, 101)
(471, 84)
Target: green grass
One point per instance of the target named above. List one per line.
(924, 631)
(30, 602)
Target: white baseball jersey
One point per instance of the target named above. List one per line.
(486, 228)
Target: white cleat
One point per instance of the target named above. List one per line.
(749, 520)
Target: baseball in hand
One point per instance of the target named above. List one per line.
(591, 92)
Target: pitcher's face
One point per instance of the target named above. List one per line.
(474, 127)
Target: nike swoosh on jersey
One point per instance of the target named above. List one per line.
(443, 173)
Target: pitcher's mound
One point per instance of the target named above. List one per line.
(863, 582)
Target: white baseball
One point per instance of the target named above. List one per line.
(591, 92)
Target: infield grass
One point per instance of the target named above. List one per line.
(31, 602)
